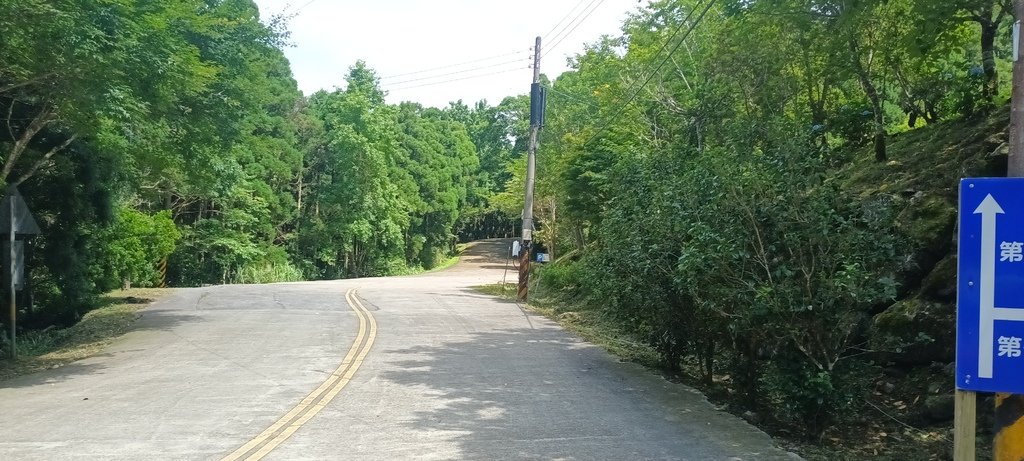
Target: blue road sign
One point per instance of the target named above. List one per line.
(990, 286)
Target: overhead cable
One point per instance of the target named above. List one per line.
(457, 79)
(651, 75)
(571, 97)
(573, 29)
(431, 77)
(560, 21)
(449, 66)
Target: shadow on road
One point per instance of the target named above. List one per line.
(59, 369)
(491, 251)
(541, 394)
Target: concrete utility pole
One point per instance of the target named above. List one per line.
(1009, 430)
(536, 111)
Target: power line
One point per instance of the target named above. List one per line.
(581, 21)
(457, 79)
(304, 5)
(671, 37)
(560, 21)
(448, 66)
(430, 77)
(658, 68)
(570, 23)
(574, 98)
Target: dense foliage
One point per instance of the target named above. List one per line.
(689, 176)
(144, 133)
(701, 197)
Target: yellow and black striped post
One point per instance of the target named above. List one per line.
(1009, 442)
(163, 273)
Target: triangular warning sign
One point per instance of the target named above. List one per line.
(24, 224)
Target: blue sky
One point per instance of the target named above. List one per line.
(401, 38)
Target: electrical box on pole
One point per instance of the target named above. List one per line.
(538, 102)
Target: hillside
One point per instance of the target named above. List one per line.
(922, 180)
(891, 396)
(914, 339)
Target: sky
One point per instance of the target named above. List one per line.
(437, 51)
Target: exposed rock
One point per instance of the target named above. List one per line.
(939, 408)
(928, 222)
(940, 283)
(895, 372)
(751, 417)
(915, 332)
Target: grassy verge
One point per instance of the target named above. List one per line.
(441, 265)
(589, 324)
(446, 263)
(40, 350)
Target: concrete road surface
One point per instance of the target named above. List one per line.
(418, 367)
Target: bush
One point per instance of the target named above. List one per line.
(748, 263)
(213, 252)
(562, 276)
(273, 267)
(801, 396)
(129, 250)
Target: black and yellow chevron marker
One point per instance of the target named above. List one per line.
(163, 273)
(1009, 441)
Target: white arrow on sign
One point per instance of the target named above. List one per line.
(986, 321)
(989, 313)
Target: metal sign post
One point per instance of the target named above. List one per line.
(19, 223)
(10, 287)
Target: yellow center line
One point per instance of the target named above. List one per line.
(316, 400)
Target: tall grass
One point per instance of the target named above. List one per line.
(268, 273)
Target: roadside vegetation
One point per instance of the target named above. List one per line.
(766, 201)
(774, 211)
(150, 133)
(53, 347)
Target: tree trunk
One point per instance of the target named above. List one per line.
(876, 100)
(21, 143)
(554, 230)
(989, 29)
(298, 200)
(816, 103)
(709, 361)
(44, 159)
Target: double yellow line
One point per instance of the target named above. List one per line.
(277, 433)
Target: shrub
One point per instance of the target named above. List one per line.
(129, 249)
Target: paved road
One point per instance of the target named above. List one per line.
(390, 368)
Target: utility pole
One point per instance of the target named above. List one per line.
(536, 117)
(1016, 160)
(1009, 430)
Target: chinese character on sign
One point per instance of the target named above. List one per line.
(1011, 251)
(1009, 346)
